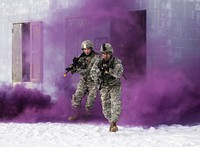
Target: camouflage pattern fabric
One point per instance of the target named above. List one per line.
(111, 102)
(85, 88)
(86, 85)
(110, 87)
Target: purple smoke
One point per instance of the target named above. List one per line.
(163, 98)
(148, 98)
(15, 101)
(159, 97)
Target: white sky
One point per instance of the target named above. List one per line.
(93, 135)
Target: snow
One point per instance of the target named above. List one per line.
(96, 135)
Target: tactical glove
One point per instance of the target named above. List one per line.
(69, 68)
(75, 60)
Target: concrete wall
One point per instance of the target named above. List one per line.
(53, 14)
(173, 37)
(12, 12)
(173, 32)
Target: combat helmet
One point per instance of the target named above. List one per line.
(87, 44)
(106, 47)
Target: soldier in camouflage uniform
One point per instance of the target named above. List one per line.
(86, 85)
(106, 72)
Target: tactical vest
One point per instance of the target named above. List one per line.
(87, 63)
(107, 79)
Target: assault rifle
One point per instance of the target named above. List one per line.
(104, 68)
(76, 64)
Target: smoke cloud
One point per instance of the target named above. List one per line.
(148, 98)
(162, 98)
(15, 101)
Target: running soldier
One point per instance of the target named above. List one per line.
(106, 72)
(86, 85)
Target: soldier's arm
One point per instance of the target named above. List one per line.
(95, 72)
(85, 69)
(117, 70)
(81, 67)
(82, 71)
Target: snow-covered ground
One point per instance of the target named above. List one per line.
(93, 135)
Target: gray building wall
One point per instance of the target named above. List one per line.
(16, 12)
(173, 33)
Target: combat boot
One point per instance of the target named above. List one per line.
(113, 127)
(87, 114)
(72, 118)
(75, 114)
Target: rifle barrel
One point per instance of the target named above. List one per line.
(66, 73)
(124, 76)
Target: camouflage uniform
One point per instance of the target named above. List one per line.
(86, 84)
(110, 86)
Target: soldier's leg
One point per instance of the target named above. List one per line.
(106, 103)
(92, 93)
(115, 107)
(115, 103)
(78, 95)
(76, 101)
